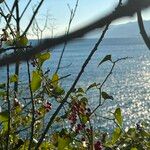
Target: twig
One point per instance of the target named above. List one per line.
(72, 14)
(8, 9)
(106, 78)
(34, 14)
(3, 50)
(25, 9)
(33, 107)
(11, 13)
(71, 89)
(18, 32)
(9, 109)
(6, 20)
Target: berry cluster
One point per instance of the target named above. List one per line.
(78, 108)
(38, 113)
(98, 146)
(47, 106)
(73, 114)
(80, 127)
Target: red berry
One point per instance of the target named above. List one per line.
(83, 125)
(98, 146)
(48, 103)
(79, 126)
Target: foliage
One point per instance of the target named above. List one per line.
(61, 119)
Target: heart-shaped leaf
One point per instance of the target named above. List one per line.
(106, 96)
(106, 58)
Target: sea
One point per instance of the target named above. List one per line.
(129, 83)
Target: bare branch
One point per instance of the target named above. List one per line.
(33, 107)
(9, 110)
(72, 14)
(142, 29)
(11, 13)
(8, 9)
(34, 14)
(128, 9)
(25, 9)
(3, 50)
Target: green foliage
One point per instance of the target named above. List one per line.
(115, 136)
(2, 93)
(106, 58)
(69, 115)
(21, 41)
(118, 116)
(91, 86)
(36, 81)
(63, 142)
(42, 58)
(4, 119)
(2, 85)
(55, 79)
(13, 78)
(106, 96)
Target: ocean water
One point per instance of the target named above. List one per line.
(129, 83)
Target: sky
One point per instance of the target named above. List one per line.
(59, 13)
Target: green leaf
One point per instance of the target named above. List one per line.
(2, 93)
(63, 142)
(4, 119)
(55, 79)
(132, 132)
(106, 58)
(36, 81)
(106, 96)
(145, 133)
(59, 90)
(91, 86)
(80, 90)
(22, 41)
(43, 57)
(134, 148)
(84, 118)
(84, 100)
(13, 78)
(2, 85)
(118, 116)
(116, 135)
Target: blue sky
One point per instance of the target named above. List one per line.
(87, 11)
